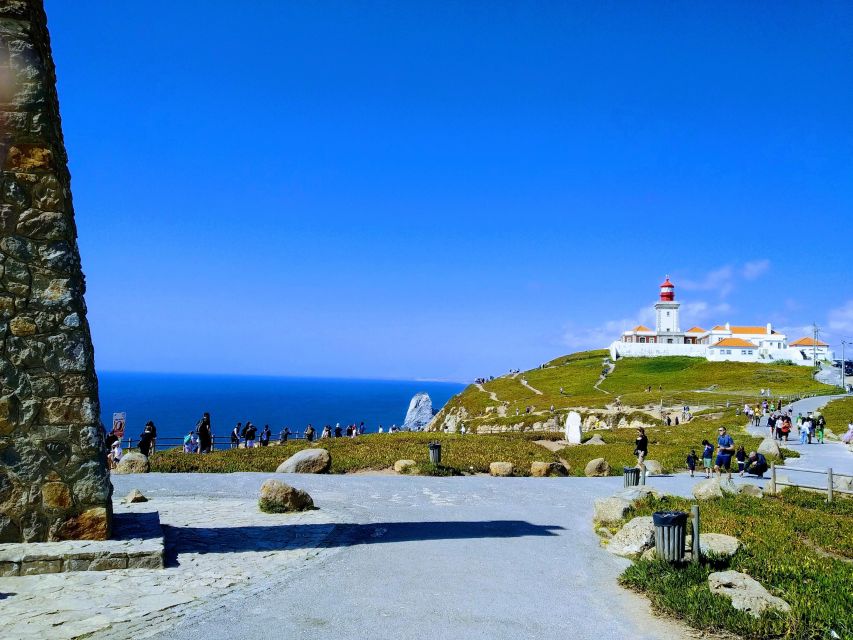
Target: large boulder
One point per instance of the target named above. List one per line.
(278, 497)
(420, 412)
(752, 490)
(548, 469)
(134, 496)
(745, 593)
(718, 545)
(405, 466)
(634, 538)
(597, 468)
(501, 469)
(769, 447)
(653, 467)
(612, 509)
(133, 462)
(707, 489)
(595, 440)
(307, 461)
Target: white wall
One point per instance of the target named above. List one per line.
(649, 350)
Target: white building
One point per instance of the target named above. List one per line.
(741, 343)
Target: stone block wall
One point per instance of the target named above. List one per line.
(54, 483)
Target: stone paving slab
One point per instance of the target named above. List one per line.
(137, 543)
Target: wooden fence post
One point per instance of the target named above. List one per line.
(696, 549)
(773, 478)
(829, 487)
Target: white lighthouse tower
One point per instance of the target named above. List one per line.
(666, 314)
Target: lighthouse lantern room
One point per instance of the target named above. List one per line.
(666, 311)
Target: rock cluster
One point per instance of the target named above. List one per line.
(715, 488)
(278, 497)
(54, 483)
(307, 461)
(548, 469)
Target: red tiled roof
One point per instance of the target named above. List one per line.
(735, 342)
(696, 330)
(809, 342)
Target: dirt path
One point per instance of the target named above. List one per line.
(492, 394)
(524, 383)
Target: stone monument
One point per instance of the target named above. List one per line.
(54, 483)
(573, 428)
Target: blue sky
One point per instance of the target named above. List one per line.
(446, 190)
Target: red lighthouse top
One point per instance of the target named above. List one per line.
(667, 291)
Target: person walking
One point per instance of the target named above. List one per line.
(285, 434)
(265, 436)
(692, 459)
(251, 431)
(149, 426)
(641, 447)
(235, 435)
(707, 457)
(205, 434)
(145, 440)
(725, 451)
(820, 428)
(309, 433)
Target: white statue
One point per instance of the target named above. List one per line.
(573, 428)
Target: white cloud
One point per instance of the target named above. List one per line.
(756, 268)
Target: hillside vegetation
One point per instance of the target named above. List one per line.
(622, 393)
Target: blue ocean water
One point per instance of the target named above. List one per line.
(175, 402)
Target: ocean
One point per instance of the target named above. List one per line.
(175, 402)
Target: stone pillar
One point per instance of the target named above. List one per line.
(54, 482)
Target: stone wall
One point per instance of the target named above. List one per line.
(54, 483)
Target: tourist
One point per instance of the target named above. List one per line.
(740, 456)
(847, 438)
(820, 427)
(309, 433)
(771, 424)
(725, 450)
(349, 431)
(361, 429)
(265, 436)
(707, 457)
(145, 440)
(115, 454)
(205, 435)
(250, 433)
(381, 430)
(804, 430)
(811, 427)
(692, 459)
(191, 442)
(149, 426)
(757, 464)
(327, 432)
(462, 430)
(235, 435)
(285, 434)
(641, 447)
(112, 438)
(676, 421)
(339, 432)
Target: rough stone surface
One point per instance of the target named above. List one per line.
(707, 489)
(402, 466)
(52, 449)
(133, 462)
(653, 467)
(134, 496)
(769, 447)
(420, 412)
(597, 468)
(278, 497)
(548, 469)
(307, 461)
(746, 593)
(612, 509)
(501, 469)
(718, 544)
(595, 440)
(634, 538)
(750, 490)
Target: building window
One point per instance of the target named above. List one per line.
(669, 340)
(642, 339)
(749, 352)
(728, 352)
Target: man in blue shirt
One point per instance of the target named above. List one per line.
(725, 451)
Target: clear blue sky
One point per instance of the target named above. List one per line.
(444, 190)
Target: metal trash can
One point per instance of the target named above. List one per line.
(632, 476)
(670, 534)
(435, 452)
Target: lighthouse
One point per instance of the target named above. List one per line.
(666, 311)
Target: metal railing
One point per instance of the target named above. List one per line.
(829, 487)
(219, 443)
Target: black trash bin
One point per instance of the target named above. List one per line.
(435, 452)
(670, 534)
(632, 476)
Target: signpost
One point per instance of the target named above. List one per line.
(119, 422)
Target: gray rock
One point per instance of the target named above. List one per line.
(634, 538)
(750, 490)
(548, 469)
(707, 489)
(745, 593)
(597, 468)
(595, 440)
(404, 466)
(278, 497)
(718, 544)
(501, 469)
(133, 462)
(769, 447)
(134, 496)
(638, 492)
(312, 460)
(612, 509)
(653, 467)
(420, 412)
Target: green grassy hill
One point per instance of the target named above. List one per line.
(569, 382)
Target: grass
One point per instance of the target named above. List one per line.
(798, 546)
(838, 414)
(466, 454)
(675, 381)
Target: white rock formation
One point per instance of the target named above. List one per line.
(420, 412)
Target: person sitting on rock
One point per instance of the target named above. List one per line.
(757, 464)
(115, 454)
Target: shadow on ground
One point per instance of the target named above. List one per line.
(180, 540)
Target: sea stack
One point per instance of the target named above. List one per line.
(420, 412)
